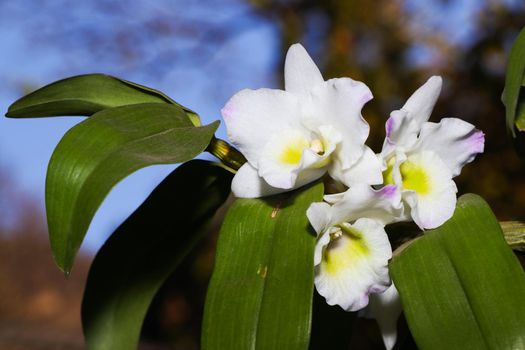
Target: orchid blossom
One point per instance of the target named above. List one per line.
(295, 136)
(385, 308)
(422, 157)
(352, 251)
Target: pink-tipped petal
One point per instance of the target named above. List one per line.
(455, 141)
(361, 200)
(351, 266)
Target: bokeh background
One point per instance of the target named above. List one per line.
(200, 53)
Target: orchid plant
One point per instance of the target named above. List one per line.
(314, 207)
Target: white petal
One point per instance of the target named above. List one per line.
(367, 170)
(322, 240)
(361, 201)
(419, 106)
(428, 189)
(300, 72)
(338, 102)
(386, 309)
(248, 184)
(455, 141)
(392, 174)
(252, 117)
(281, 158)
(354, 265)
(334, 198)
(319, 216)
(401, 132)
(288, 155)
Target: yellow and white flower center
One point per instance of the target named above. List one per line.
(317, 146)
(347, 248)
(293, 150)
(414, 176)
(292, 144)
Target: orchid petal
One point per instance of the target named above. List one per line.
(319, 216)
(367, 170)
(290, 153)
(428, 189)
(338, 102)
(322, 239)
(419, 106)
(455, 141)
(354, 264)
(361, 200)
(401, 132)
(290, 138)
(252, 117)
(300, 71)
(392, 174)
(386, 309)
(248, 184)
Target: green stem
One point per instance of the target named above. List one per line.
(226, 153)
(514, 232)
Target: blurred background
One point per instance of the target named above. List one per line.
(200, 53)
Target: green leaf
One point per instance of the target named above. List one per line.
(513, 79)
(520, 112)
(85, 95)
(461, 286)
(141, 254)
(260, 293)
(99, 152)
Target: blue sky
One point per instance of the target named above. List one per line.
(33, 58)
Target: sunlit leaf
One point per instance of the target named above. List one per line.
(99, 152)
(461, 285)
(513, 79)
(260, 294)
(140, 255)
(85, 95)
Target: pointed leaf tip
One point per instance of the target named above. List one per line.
(85, 95)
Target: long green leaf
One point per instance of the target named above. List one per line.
(520, 108)
(461, 286)
(260, 294)
(139, 256)
(513, 79)
(85, 95)
(99, 152)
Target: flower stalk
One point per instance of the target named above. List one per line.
(226, 153)
(514, 233)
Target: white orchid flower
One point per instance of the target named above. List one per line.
(421, 157)
(385, 308)
(352, 250)
(293, 137)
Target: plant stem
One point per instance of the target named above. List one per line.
(514, 232)
(226, 153)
